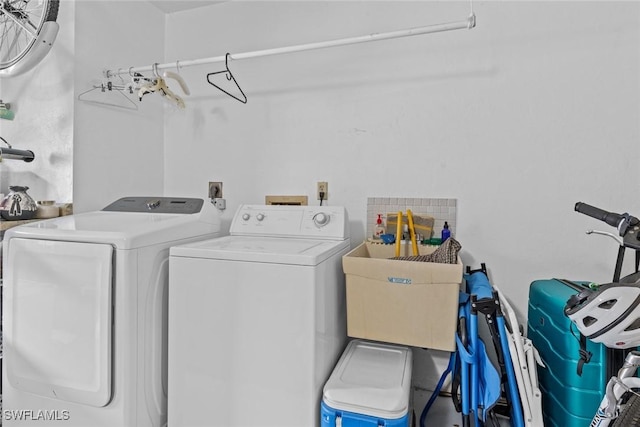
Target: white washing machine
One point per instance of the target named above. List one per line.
(84, 312)
(257, 319)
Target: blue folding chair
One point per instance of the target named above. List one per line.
(481, 385)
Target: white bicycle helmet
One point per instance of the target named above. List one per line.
(609, 315)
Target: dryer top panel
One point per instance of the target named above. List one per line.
(124, 230)
(176, 205)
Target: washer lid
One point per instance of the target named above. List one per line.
(125, 230)
(274, 250)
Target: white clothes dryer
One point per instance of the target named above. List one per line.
(257, 319)
(84, 312)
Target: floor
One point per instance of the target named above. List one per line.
(442, 413)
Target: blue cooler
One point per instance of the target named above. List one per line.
(370, 386)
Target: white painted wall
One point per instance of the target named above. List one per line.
(117, 152)
(518, 119)
(86, 153)
(530, 112)
(43, 102)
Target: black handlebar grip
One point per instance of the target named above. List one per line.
(613, 219)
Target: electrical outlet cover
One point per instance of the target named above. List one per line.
(215, 190)
(323, 186)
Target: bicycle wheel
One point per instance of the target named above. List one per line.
(27, 32)
(629, 412)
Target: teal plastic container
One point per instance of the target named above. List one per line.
(568, 400)
(330, 417)
(369, 387)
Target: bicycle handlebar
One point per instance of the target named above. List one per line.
(628, 226)
(613, 219)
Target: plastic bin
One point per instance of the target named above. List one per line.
(370, 386)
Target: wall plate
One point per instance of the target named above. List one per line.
(287, 200)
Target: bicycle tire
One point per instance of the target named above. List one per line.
(16, 44)
(629, 412)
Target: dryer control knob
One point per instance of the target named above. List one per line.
(152, 204)
(246, 217)
(321, 219)
(260, 217)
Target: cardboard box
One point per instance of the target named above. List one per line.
(402, 302)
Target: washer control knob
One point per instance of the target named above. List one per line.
(246, 217)
(260, 217)
(152, 204)
(321, 219)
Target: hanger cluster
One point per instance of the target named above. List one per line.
(140, 85)
(143, 85)
(159, 85)
(468, 24)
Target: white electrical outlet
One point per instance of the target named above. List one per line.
(323, 187)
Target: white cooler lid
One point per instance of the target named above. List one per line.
(371, 379)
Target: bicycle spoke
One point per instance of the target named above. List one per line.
(15, 46)
(20, 23)
(33, 15)
(19, 28)
(5, 37)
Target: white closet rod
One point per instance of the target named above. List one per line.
(469, 23)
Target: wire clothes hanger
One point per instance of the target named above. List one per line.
(107, 88)
(230, 77)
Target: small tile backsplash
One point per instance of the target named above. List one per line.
(441, 209)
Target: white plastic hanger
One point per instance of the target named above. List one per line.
(177, 77)
(159, 85)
